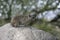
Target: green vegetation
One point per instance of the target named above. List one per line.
(48, 28)
(2, 22)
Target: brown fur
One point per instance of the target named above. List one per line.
(20, 20)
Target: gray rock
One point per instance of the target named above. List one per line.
(7, 32)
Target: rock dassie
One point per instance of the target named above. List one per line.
(21, 20)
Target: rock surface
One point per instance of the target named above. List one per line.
(7, 32)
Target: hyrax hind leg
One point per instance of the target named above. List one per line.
(15, 21)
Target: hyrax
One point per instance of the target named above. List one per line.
(21, 20)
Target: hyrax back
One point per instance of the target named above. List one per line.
(20, 20)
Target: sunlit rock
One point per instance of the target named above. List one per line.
(7, 32)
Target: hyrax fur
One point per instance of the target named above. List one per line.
(21, 20)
